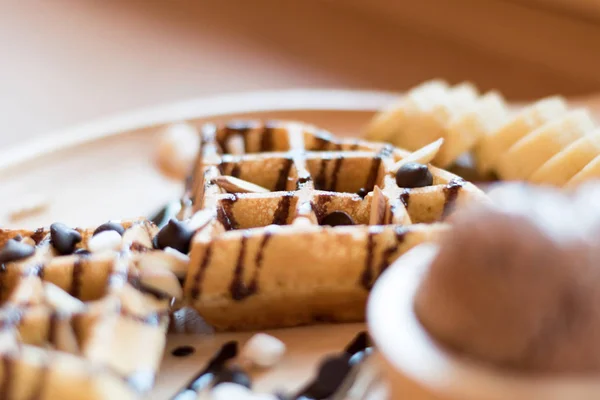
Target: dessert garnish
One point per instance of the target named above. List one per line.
(63, 238)
(183, 351)
(176, 235)
(263, 350)
(14, 250)
(110, 226)
(546, 142)
(514, 283)
(413, 175)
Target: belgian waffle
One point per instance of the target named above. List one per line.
(263, 196)
(79, 325)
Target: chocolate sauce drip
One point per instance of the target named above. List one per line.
(266, 139)
(405, 197)
(183, 351)
(207, 374)
(372, 178)
(302, 181)
(38, 235)
(235, 171)
(238, 289)
(225, 212)
(334, 370)
(198, 278)
(354, 146)
(253, 287)
(321, 176)
(6, 388)
(76, 274)
(233, 128)
(387, 253)
(283, 209)
(318, 206)
(336, 172)
(366, 278)
(283, 175)
(451, 194)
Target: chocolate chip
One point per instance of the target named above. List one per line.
(337, 218)
(110, 226)
(14, 251)
(413, 175)
(183, 351)
(176, 235)
(332, 372)
(64, 238)
(233, 375)
(362, 192)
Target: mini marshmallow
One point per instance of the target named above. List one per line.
(231, 391)
(107, 240)
(263, 350)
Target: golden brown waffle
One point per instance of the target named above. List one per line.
(262, 192)
(81, 325)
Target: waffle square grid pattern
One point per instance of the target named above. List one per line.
(78, 325)
(267, 255)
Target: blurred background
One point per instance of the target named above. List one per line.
(64, 62)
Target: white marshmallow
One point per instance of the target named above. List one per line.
(263, 350)
(231, 391)
(107, 240)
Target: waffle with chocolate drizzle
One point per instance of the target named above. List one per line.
(295, 225)
(76, 318)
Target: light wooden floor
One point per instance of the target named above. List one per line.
(65, 62)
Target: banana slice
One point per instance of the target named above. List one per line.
(566, 164)
(487, 115)
(589, 172)
(423, 126)
(491, 147)
(533, 150)
(389, 122)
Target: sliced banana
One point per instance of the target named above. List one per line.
(487, 115)
(492, 147)
(566, 164)
(533, 150)
(386, 124)
(589, 172)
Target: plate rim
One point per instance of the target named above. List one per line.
(199, 107)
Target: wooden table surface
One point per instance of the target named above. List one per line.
(66, 62)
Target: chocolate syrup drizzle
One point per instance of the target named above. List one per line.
(266, 139)
(372, 178)
(283, 209)
(225, 212)
(451, 194)
(237, 288)
(321, 176)
(76, 274)
(334, 371)
(366, 278)
(210, 372)
(405, 197)
(198, 278)
(283, 175)
(336, 172)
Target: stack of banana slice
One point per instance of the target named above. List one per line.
(544, 143)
